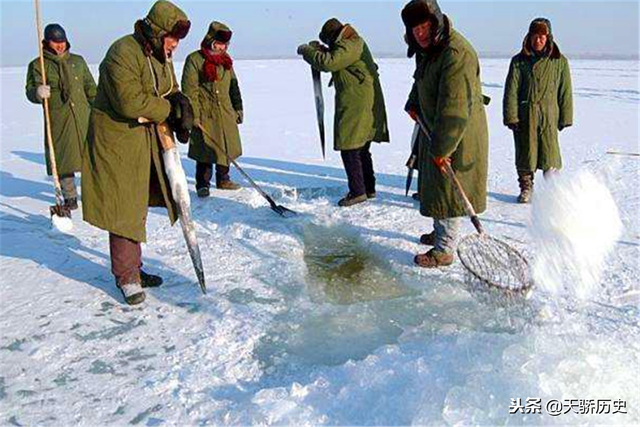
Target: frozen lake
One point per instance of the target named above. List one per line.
(322, 319)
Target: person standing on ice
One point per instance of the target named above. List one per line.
(447, 97)
(537, 104)
(122, 170)
(70, 90)
(360, 114)
(210, 82)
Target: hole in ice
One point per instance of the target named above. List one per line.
(342, 269)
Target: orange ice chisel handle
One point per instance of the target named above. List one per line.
(165, 134)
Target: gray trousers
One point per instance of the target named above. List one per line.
(446, 234)
(68, 184)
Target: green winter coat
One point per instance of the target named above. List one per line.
(216, 106)
(122, 170)
(447, 91)
(69, 106)
(538, 97)
(360, 114)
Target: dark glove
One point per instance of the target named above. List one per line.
(514, 126)
(240, 117)
(562, 127)
(302, 48)
(181, 116)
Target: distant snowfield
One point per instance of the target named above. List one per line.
(280, 339)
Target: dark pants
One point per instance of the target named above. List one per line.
(359, 167)
(204, 172)
(126, 259)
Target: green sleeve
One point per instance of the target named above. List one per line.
(510, 100)
(89, 84)
(338, 58)
(454, 103)
(34, 79)
(191, 85)
(125, 89)
(234, 92)
(565, 96)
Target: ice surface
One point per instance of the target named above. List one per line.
(264, 347)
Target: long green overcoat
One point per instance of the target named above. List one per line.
(216, 106)
(360, 114)
(72, 92)
(123, 171)
(538, 98)
(447, 90)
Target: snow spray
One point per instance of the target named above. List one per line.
(574, 226)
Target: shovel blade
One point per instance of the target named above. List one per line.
(283, 212)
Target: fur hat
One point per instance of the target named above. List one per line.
(330, 31)
(540, 26)
(417, 12)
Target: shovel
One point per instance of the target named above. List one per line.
(279, 209)
(60, 214)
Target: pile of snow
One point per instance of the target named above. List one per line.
(575, 225)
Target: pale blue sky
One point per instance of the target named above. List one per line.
(275, 28)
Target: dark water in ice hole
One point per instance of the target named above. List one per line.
(341, 269)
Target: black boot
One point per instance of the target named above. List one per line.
(525, 180)
(150, 280)
(71, 203)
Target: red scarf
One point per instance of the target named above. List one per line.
(212, 61)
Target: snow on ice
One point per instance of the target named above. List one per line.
(281, 337)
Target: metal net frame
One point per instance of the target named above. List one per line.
(494, 263)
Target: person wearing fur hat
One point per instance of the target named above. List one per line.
(209, 80)
(70, 90)
(360, 115)
(123, 171)
(538, 102)
(447, 97)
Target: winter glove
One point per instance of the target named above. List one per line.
(302, 48)
(181, 116)
(442, 163)
(514, 126)
(43, 92)
(562, 127)
(240, 117)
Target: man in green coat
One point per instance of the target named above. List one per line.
(210, 82)
(122, 170)
(360, 115)
(447, 96)
(70, 90)
(537, 104)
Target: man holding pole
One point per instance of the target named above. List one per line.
(123, 172)
(448, 100)
(70, 91)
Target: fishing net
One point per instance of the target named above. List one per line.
(491, 262)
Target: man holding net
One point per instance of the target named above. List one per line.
(447, 97)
